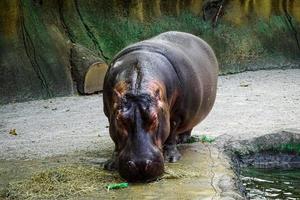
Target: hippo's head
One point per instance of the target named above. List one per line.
(140, 124)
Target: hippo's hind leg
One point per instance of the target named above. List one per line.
(111, 164)
(184, 137)
(171, 153)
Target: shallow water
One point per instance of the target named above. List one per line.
(271, 183)
(190, 178)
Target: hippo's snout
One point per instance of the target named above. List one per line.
(141, 169)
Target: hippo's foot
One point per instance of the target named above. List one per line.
(171, 153)
(110, 165)
(184, 137)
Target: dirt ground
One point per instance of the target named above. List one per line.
(248, 104)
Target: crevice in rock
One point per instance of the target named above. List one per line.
(213, 10)
(90, 33)
(75, 83)
(289, 21)
(212, 173)
(70, 36)
(31, 52)
(63, 23)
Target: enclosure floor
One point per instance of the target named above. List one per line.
(248, 104)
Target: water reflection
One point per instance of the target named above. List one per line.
(271, 183)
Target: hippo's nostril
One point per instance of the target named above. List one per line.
(131, 164)
(148, 163)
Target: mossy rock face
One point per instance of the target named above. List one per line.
(36, 36)
(34, 53)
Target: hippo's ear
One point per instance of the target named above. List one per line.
(157, 95)
(117, 94)
(159, 98)
(119, 89)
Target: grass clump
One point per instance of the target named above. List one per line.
(73, 181)
(201, 138)
(179, 172)
(62, 182)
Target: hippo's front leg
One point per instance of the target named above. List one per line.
(171, 153)
(184, 137)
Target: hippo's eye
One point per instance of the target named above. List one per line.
(145, 108)
(120, 118)
(125, 105)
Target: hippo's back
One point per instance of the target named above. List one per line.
(194, 47)
(197, 69)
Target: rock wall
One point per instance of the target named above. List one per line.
(36, 36)
(34, 55)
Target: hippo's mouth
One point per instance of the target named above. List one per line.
(142, 167)
(141, 172)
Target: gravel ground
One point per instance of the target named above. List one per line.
(248, 104)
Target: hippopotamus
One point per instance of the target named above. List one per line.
(155, 91)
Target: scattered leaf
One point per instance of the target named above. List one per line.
(244, 84)
(13, 132)
(116, 186)
(208, 139)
